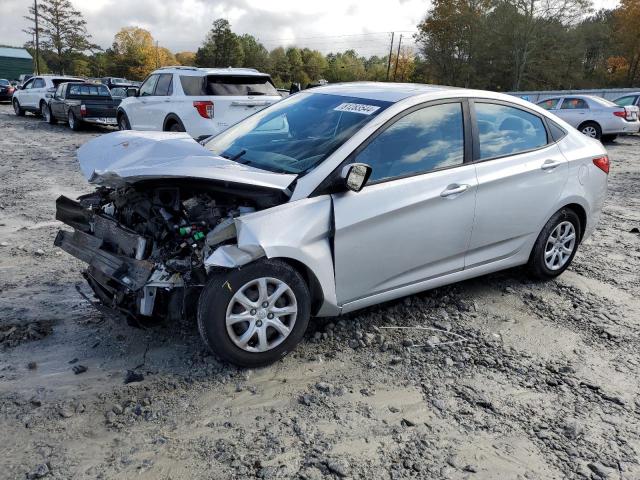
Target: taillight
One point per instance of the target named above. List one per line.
(621, 113)
(83, 110)
(602, 163)
(204, 107)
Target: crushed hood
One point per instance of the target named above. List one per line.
(128, 156)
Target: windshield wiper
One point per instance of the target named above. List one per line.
(237, 155)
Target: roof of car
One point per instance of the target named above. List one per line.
(209, 71)
(389, 92)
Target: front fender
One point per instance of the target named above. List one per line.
(299, 230)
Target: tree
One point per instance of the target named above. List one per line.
(134, 54)
(627, 33)
(62, 30)
(315, 63)
(296, 66)
(186, 58)
(279, 66)
(254, 53)
(221, 47)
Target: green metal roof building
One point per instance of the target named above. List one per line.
(14, 62)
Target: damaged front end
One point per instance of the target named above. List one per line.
(146, 243)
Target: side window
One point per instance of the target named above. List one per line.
(192, 86)
(549, 104)
(164, 86)
(38, 83)
(626, 101)
(574, 104)
(507, 130)
(28, 85)
(148, 86)
(421, 141)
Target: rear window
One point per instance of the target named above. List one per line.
(89, 90)
(58, 81)
(237, 85)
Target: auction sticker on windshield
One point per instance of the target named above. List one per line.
(357, 108)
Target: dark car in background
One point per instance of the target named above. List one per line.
(6, 89)
(114, 82)
(81, 102)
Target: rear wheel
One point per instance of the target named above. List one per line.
(176, 127)
(255, 315)
(123, 122)
(556, 245)
(17, 108)
(591, 129)
(74, 123)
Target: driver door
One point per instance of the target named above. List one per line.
(412, 221)
(140, 117)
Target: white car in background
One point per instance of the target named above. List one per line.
(32, 95)
(199, 101)
(594, 116)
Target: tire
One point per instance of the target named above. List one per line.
(591, 129)
(48, 116)
(218, 301)
(123, 122)
(544, 264)
(74, 123)
(609, 138)
(175, 126)
(43, 106)
(18, 110)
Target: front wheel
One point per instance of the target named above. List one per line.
(556, 245)
(254, 316)
(19, 111)
(48, 115)
(123, 122)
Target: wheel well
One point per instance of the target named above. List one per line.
(315, 290)
(587, 122)
(582, 215)
(170, 120)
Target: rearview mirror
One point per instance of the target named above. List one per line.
(355, 175)
(132, 92)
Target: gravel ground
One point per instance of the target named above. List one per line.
(494, 378)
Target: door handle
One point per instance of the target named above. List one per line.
(550, 164)
(454, 189)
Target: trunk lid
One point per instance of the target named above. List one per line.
(129, 156)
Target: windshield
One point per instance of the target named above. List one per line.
(297, 133)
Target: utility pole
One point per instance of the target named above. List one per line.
(395, 70)
(35, 8)
(390, 53)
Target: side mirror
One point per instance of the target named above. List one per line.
(18, 87)
(356, 175)
(132, 92)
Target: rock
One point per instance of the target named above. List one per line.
(433, 340)
(39, 252)
(117, 409)
(439, 404)
(353, 343)
(4, 244)
(395, 360)
(407, 342)
(599, 469)
(442, 325)
(470, 468)
(132, 376)
(306, 399)
(613, 398)
(324, 387)
(78, 369)
(40, 471)
(32, 365)
(408, 423)
(338, 467)
(110, 417)
(448, 361)
(66, 411)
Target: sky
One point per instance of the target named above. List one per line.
(325, 25)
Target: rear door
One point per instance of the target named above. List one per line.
(235, 97)
(574, 111)
(521, 173)
(412, 221)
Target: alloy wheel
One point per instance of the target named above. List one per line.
(261, 314)
(560, 246)
(590, 131)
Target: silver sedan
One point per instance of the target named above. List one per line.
(327, 202)
(594, 116)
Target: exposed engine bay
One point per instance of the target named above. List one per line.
(146, 242)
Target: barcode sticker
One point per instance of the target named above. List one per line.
(357, 108)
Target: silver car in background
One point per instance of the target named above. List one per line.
(332, 200)
(628, 100)
(594, 116)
